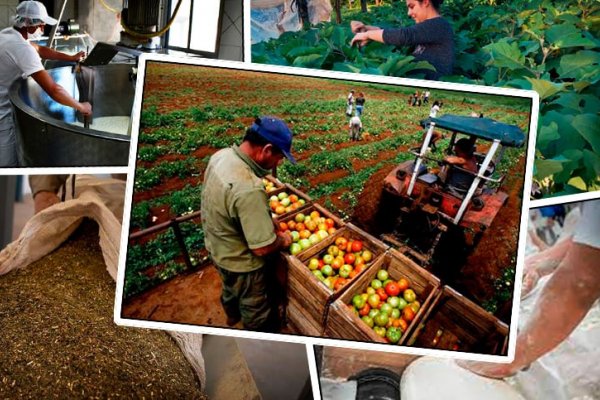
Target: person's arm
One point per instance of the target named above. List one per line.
(435, 30)
(50, 54)
(58, 93)
(563, 303)
(256, 222)
(44, 189)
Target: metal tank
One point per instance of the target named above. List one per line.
(46, 133)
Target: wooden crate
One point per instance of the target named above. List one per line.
(314, 296)
(290, 190)
(301, 321)
(344, 323)
(464, 326)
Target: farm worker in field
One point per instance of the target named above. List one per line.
(349, 103)
(239, 231)
(20, 59)
(426, 97)
(431, 37)
(435, 108)
(360, 104)
(558, 347)
(355, 128)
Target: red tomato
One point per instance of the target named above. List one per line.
(357, 246)
(382, 294)
(337, 263)
(283, 226)
(329, 223)
(352, 274)
(365, 310)
(341, 242)
(392, 289)
(402, 324)
(339, 282)
(349, 258)
(291, 225)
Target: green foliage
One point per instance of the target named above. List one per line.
(549, 46)
(503, 290)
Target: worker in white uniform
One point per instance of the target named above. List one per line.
(20, 59)
(571, 293)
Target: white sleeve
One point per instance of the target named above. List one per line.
(588, 228)
(28, 61)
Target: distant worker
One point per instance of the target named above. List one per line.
(20, 59)
(349, 103)
(360, 104)
(355, 128)
(434, 109)
(239, 231)
(426, 97)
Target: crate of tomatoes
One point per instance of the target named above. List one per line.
(454, 322)
(271, 183)
(385, 304)
(319, 275)
(287, 200)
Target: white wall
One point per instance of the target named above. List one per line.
(7, 11)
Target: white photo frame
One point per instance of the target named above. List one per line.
(309, 73)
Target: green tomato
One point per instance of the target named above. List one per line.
(395, 313)
(374, 300)
(327, 270)
(295, 248)
(409, 295)
(393, 301)
(401, 303)
(368, 320)
(393, 334)
(313, 264)
(382, 275)
(381, 319)
(373, 312)
(386, 308)
(376, 284)
(318, 274)
(358, 301)
(370, 290)
(380, 331)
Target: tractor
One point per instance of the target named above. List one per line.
(437, 222)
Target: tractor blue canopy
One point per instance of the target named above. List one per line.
(484, 128)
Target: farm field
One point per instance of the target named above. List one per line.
(190, 112)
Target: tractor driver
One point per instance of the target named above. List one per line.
(237, 222)
(464, 158)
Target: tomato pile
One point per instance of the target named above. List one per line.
(342, 261)
(269, 186)
(307, 230)
(387, 306)
(284, 203)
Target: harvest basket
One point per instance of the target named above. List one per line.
(345, 324)
(453, 322)
(312, 296)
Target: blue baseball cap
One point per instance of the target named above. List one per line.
(276, 132)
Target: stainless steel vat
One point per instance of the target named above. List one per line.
(47, 136)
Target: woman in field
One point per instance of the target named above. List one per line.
(431, 37)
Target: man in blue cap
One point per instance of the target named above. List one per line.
(238, 228)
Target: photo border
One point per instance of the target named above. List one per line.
(313, 73)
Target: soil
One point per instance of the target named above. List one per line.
(59, 339)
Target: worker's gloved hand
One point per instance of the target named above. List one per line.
(78, 57)
(43, 200)
(85, 108)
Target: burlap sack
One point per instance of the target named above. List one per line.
(102, 201)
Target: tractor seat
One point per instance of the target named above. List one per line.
(459, 180)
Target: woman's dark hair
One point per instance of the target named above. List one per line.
(436, 103)
(435, 3)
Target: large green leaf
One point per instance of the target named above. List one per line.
(309, 61)
(588, 126)
(339, 38)
(583, 65)
(592, 163)
(569, 136)
(545, 168)
(568, 35)
(346, 67)
(505, 55)
(545, 88)
(578, 103)
(546, 135)
(303, 51)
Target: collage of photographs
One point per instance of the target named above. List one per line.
(300, 199)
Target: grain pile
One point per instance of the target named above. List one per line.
(59, 339)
